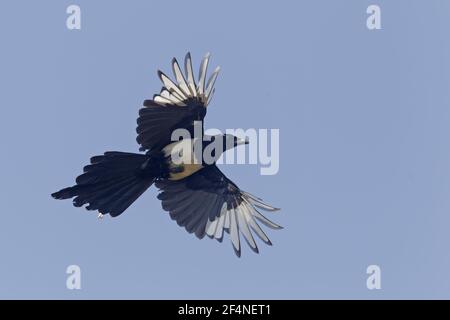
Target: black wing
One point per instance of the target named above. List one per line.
(207, 202)
(177, 106)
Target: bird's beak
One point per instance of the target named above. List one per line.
(242, 141)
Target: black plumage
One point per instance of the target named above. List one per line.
(156, 123)
(198, 196)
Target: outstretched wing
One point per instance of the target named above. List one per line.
(209, 203)
(177, 106)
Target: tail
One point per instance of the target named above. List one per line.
(110, 184)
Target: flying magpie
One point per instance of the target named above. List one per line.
(197, 195)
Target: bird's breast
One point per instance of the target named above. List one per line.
(183, 171)
(182, 159)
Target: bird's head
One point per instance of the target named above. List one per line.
(215, 145)
(230, 141)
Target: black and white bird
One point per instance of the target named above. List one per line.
(197, 195)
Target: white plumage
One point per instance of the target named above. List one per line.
(242, 220)
(184, 88)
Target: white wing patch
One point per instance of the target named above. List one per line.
(242, 220)
(182, 154)
(184, 88)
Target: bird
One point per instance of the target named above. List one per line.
(196, 194)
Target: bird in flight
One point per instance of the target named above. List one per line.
(197, 195)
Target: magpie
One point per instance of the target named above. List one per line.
(195, 193)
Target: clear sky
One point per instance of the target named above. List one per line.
(364, 155)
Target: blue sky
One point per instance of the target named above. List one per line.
(364, 146)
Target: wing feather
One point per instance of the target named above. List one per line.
(209, 203)
(190, 74)
(190, 99)
(202, 75)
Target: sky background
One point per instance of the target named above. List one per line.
(364, 153)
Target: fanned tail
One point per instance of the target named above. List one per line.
(110, 184)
